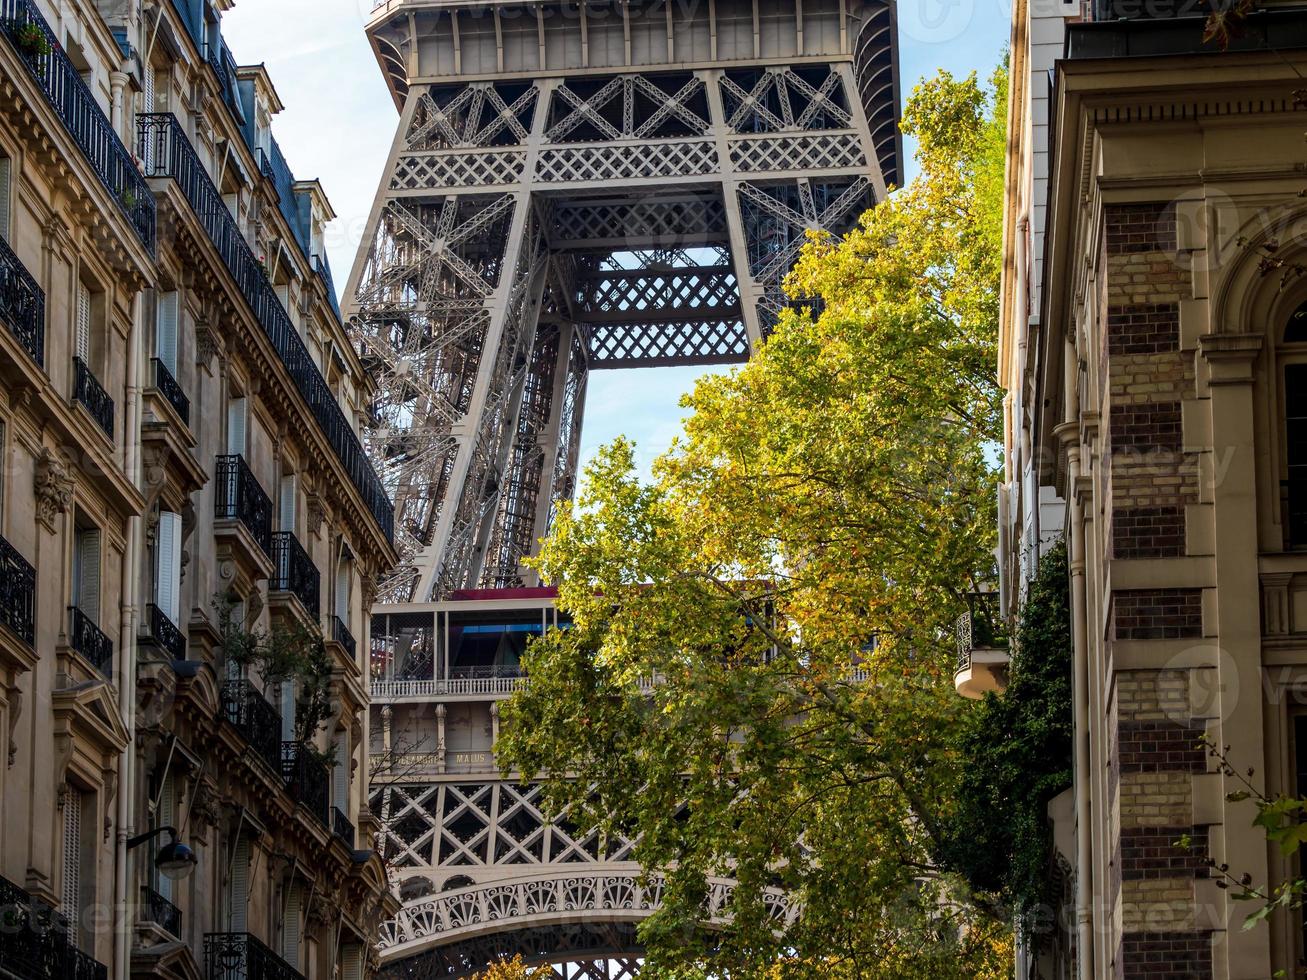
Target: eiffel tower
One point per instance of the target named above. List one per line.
(571, 188)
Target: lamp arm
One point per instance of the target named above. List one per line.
(149, 835)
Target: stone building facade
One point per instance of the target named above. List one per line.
(181, 472)
(1161, 381)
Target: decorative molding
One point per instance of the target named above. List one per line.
(53, 487)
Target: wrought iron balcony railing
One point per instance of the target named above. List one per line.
(295, 572)
(239, 956)
(34, 941)
(22, 304)
(165, 633)
(307, 779)
(17, 593)
(240, 498)
(980, 627)
(168, 153)
(90, 641)
(88, 391)
(341, 826)
(81, 115)
(258, 722)
(157, 909)
(341, 634)
(172, 392)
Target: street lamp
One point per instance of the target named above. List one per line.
(174, 860)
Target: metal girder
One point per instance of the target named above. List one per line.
(650, 217)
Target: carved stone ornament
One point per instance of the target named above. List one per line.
(207, 345)
(316, 512)
(53, 486)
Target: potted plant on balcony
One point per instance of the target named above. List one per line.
(30, 40)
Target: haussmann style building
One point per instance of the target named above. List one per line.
(190, 528)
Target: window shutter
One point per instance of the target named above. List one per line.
(168, 556)
(72, 893)
(6, 194)
(88, 574)
(238, 891)
(288, 503)
(352, 963)
(236, 416)
(149, 88)
(290, 935)
(166, 816)
(165, 331)
(82, 341)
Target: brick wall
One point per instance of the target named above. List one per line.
(1156, 614)
(1145, 376)
(1155, 752)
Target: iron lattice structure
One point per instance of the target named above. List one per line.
(572, 187)
(567, 193)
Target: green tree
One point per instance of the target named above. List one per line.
(1018, 749)
(790, 578)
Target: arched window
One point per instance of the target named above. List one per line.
(1294, 487)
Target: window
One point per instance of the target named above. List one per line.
(290, 933)
(237, 419)
(167, 565)
(6, 195)
(82, 323)
(79, 862)
(288, 709)
(149, 97)
(165, 330)
(344, 573)
(1294, 494)
(165, 815)
(340, 774)
(287, 506)
(235, 670)
(238, 887)
(86, 572)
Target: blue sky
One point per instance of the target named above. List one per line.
(339, 122)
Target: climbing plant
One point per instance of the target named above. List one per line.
(1016, 752)
(291, 652)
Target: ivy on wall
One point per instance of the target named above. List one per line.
(1016, 756)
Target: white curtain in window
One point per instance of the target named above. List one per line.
(237, 413)
(82, 339)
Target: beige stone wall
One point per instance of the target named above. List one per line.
(155, 713)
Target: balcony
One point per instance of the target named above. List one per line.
(258, 722)
(241, 503)
(90, 641)
(17, 594)
(342, 827)
(81, 115)
(307, 780)
(34, 941)
(982, 644)
(164, 633)
(88, 392)
(167, 153)
(166, 385)
(341, 634)
(22, 305)
(295, 572)
(239, 956)
(161, 912)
